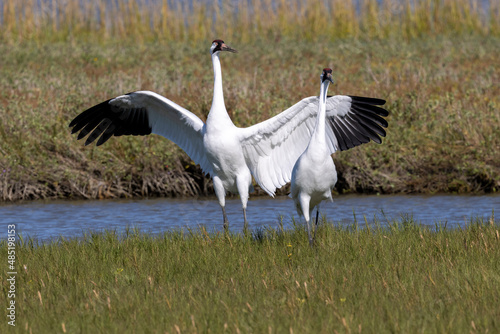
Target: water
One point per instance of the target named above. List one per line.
(50, 220)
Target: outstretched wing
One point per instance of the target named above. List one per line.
(142, 113)
(272, 147)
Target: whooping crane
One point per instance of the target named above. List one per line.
(314, 174)
(231, 155)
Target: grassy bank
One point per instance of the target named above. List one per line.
(435, 62)
(403, 278)
(442, 92)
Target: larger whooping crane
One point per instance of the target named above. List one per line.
(232, 155)
(314, 174)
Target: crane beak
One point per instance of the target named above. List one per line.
(328, 77)
(224, 47)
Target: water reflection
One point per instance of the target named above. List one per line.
(46, 220)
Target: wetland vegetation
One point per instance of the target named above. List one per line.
(435, 62)
(438, 73)
(400, 278)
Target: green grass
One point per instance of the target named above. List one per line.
(402, 278)
(441, 93)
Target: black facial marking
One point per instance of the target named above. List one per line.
(219, 43)
(327, 73)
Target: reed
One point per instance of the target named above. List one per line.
(400, 278)
(141, 21)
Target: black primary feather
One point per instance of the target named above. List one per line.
(106, 120)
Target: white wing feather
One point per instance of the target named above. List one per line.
(171, 121)
(272, 147)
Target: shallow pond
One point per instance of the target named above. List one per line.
(50, 219)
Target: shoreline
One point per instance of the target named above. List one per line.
(189, 184)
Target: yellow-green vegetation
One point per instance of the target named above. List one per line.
(402, 278)
(436, 64)
(438, 73)
(442, 92)
(245, 21)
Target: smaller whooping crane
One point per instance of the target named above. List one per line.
(314, 174)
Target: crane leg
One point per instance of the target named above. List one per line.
(243, 183)
(225, 223)
(304, 203)
(316, 227)
(309, 233)
(220, 192)
(245, 223)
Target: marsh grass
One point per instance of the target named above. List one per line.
(402, 277)
(442, 94)
(435, 62)
(246, 21)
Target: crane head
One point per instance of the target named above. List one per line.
(219, 45)
(326, 75)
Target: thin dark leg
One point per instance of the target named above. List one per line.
(311, 239)
(226, 222)
(316, 227)
(245, 224)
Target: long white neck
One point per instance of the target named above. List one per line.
(218, 110)
(319, 130)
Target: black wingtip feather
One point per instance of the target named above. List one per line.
(105, 120)
(351, 139)
(358, 130)
(90, 113)
(368, 100)
(362, 124)
(338, 135)
(370, 126)
(371, 116)
(371, 108)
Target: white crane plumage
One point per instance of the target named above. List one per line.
(314, 174)
(231, 155)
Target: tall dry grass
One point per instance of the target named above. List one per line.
(142, 20)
